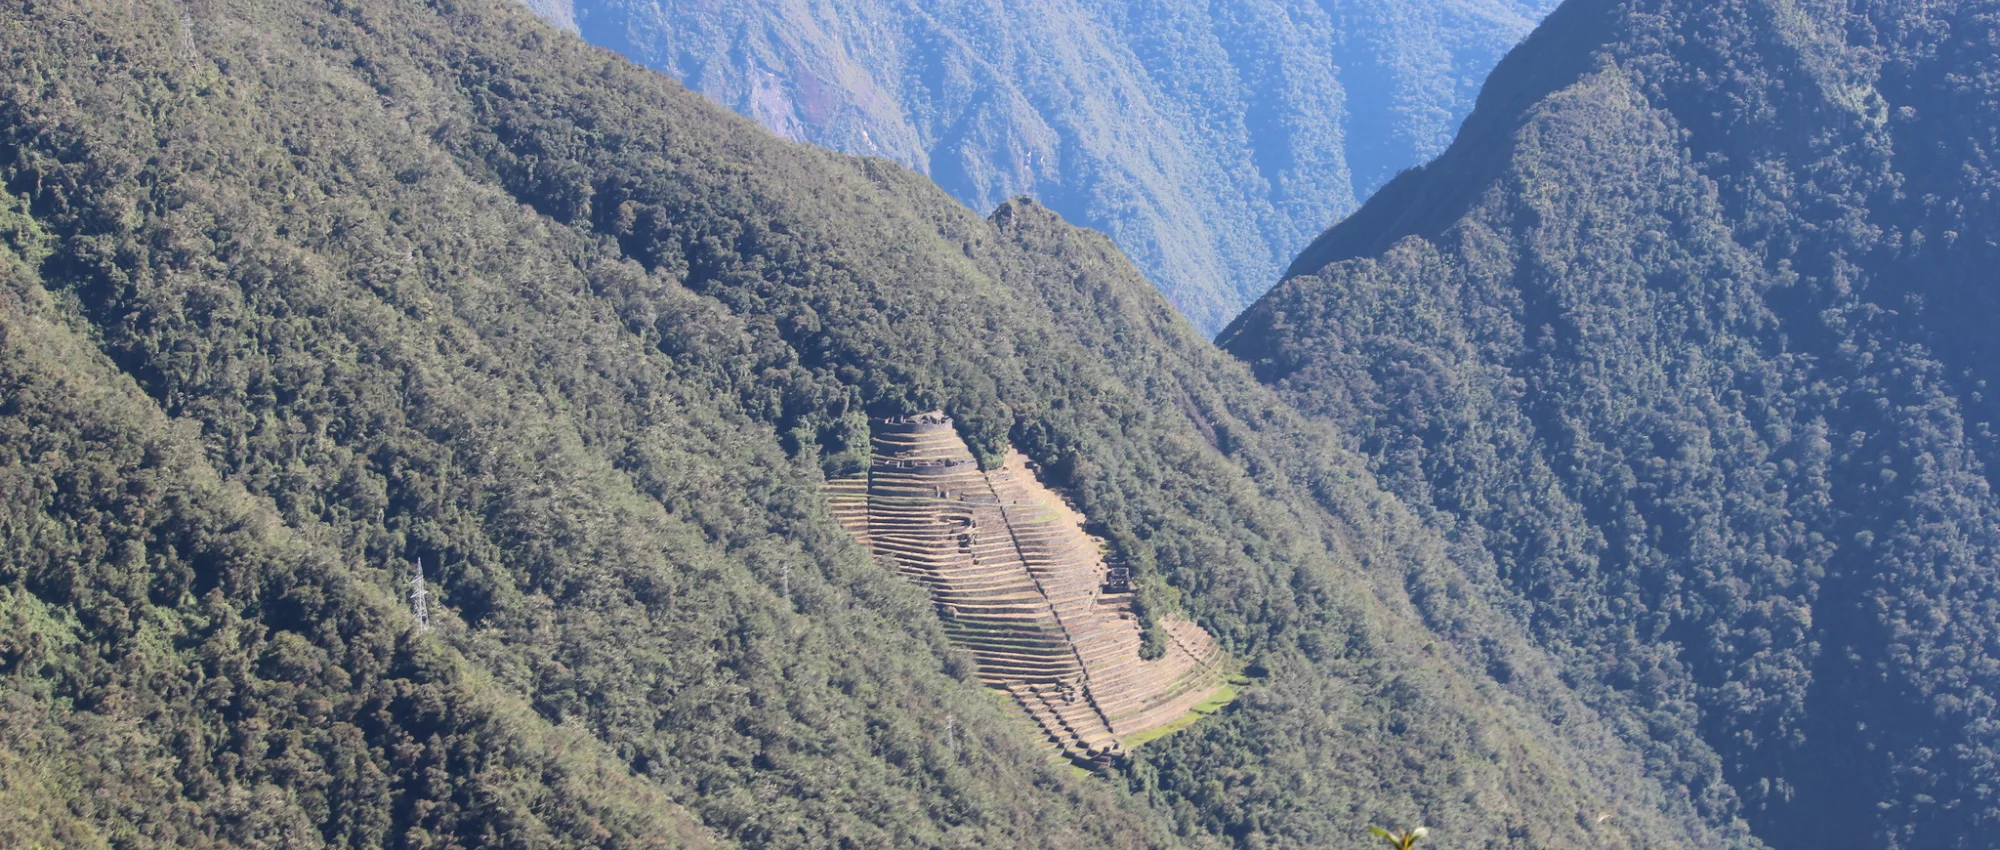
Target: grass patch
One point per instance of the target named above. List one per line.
(1223, 696)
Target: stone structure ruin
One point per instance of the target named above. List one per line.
(1017, 581)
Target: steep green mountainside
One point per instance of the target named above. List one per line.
(1692, 330)
(1211, 140)
(189, 671)
(299, 294)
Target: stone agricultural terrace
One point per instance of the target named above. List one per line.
(1019, 583)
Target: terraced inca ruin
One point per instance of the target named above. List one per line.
(1019, 583)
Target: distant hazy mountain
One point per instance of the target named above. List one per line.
(1693, 329)
(1211, 140)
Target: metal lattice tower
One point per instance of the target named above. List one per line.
(420, 599)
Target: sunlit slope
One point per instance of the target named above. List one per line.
(1212, 141)
(1019, 583)
(440, 283)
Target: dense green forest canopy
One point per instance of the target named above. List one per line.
(299, 293)
(1691, 330)
(1211, 140)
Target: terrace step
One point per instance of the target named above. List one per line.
(1020, 585)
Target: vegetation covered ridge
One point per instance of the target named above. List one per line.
(1689, 333)
(382, 282)
(1211, 141)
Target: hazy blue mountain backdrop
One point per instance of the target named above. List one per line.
(1212, 139)
(1693, 331)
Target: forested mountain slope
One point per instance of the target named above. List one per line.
(1691, 329)
(299, 294)
(1211, 140)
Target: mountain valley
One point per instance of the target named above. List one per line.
(421, 428)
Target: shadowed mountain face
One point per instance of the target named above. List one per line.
(1210, 140)
(1692, 331)
(296, 294)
